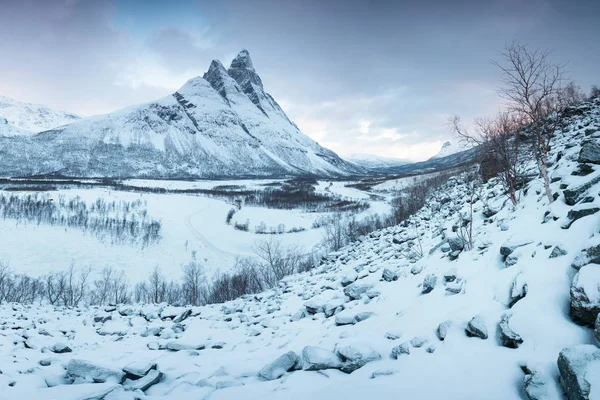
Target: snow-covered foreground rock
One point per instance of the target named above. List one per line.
(407, 312)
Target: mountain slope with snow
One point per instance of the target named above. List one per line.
(448, 149)
(19, 118)
(371, 161)
(419, 310)
(220, 125)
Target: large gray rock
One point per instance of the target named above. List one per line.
(578, 367)
(316, 358)
(442, 330)
(476, 328)
(356, 356)
(356, 290)
(144, 383)
(508, 337)
(557, 251)
(585, 295)
(280, 366)
(589, 153)
(81, 371)
(575, 194)
(429, 283)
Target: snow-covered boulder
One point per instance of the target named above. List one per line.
(356, 355)
(144, 383)
(508, 337)
(280, 366)
(585, 295)
(590, 255)
(402, 348)
(442, 330)
(429, 283)
(579, 368)
(476, 328)
(356, 290)
(389, 275)
(138, 369)
(590, 152)
(60, 348)
(315, 358)
(80, 371)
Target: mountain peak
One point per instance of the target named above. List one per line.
(243, 61)
(242, 70)
(446, 145)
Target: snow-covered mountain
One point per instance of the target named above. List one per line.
(220, 125)
(370, 161)
(448, 148)
(470, 298)
(19, 118)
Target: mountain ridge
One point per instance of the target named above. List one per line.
(220, 125)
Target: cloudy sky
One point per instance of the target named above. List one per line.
(371, 76)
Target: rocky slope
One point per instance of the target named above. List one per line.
(412, 311)
(18, 118)
(220, 125)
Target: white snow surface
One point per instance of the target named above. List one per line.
(222, 348)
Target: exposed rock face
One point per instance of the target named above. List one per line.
(476, 328)
(575, 365)
(538, 386)
(280, 366)
(585, 296)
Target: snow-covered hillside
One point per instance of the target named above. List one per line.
(220, 125)
(371, 161)
(448, 148)
(19, 118)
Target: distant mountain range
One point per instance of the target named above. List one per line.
(18, 118)
(222, 124)
(370, 161)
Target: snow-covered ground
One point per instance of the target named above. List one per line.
(190, 225)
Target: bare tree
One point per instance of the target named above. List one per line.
(157, 286)
(194, 284)
(532, 86)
